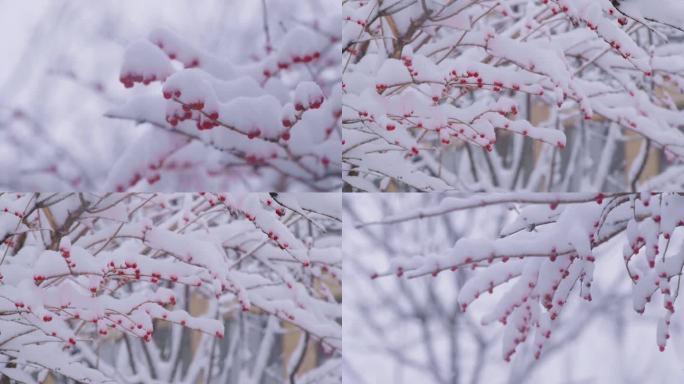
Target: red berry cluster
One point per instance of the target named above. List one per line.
(129, 79)
(299, 59)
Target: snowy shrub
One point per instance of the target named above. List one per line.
(107, 288)
(544, 95)
(549, 252)
(62, 87)
(276, 112)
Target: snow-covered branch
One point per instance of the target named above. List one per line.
(83, 275)
(524, 94)
(277, 113)
(549, 251)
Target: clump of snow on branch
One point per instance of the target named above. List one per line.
(276, 112)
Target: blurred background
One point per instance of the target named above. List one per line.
(60, 71)
(412, 331)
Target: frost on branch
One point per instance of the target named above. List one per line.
(84, 274)
(549, 253)
(271, 115)
(488, 95)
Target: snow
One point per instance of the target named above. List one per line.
(144, 63)
(668, 12)
(463, 94)
(513, 287)
(107, 70)
(258, 117)
(294, 129)
(132, 269)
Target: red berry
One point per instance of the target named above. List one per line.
(599, 198)
(253, 133)
(207, 124)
